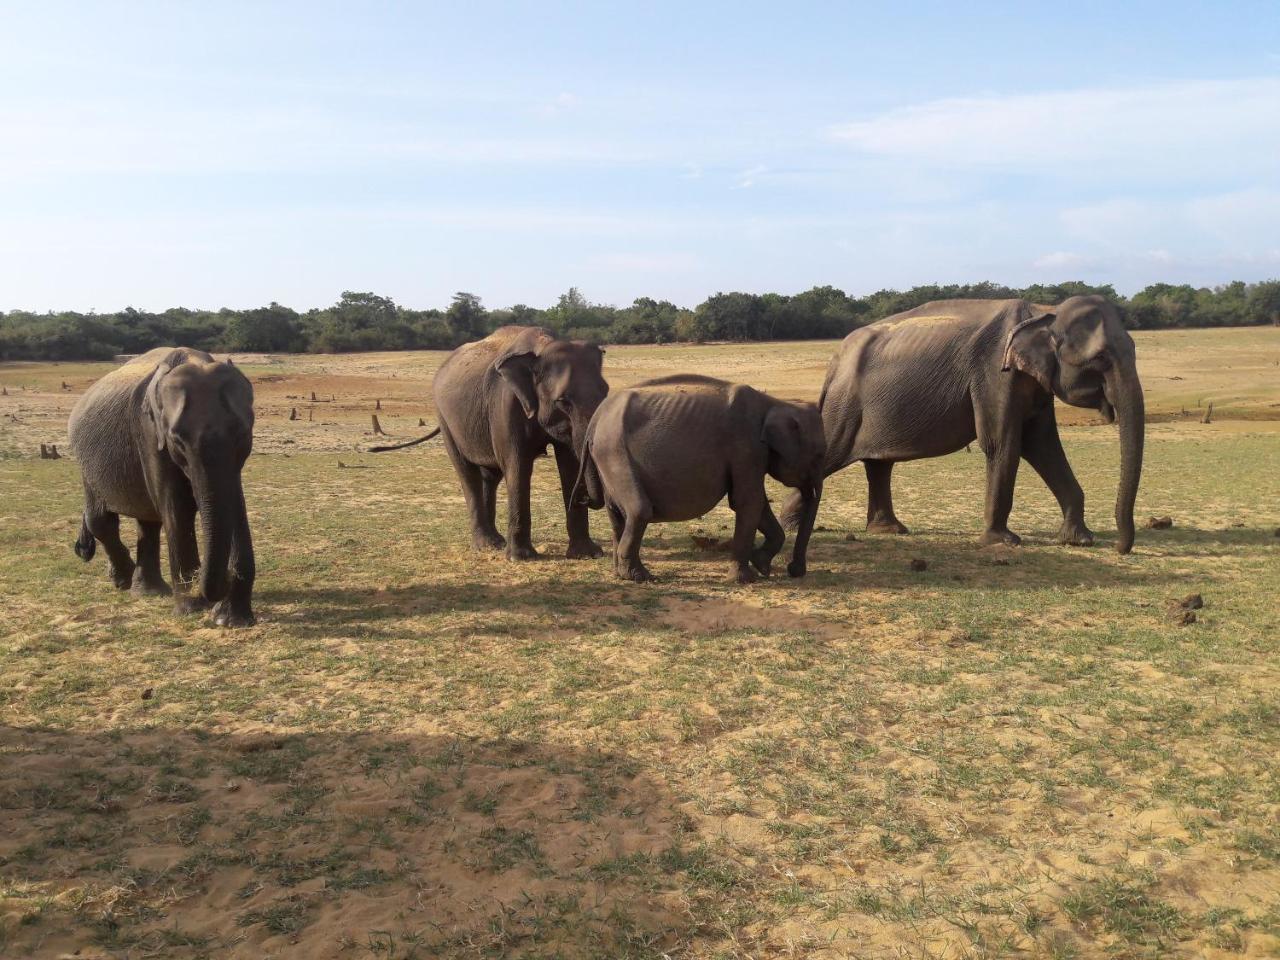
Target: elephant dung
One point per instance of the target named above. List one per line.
(919, 566)
(1160, 523)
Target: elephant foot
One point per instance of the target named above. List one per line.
(636, 572)
(993, 537)
(886, 525)
(144, 587)
(522, 552)
(797, 568)
(586, 550)
(122, 577)
(762, 560)
(1075, 535)
(743, 575)
(485, 541)
(225, 616)
(185, 604)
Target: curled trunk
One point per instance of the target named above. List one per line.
(1126, 397)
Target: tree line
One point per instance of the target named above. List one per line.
(366, 321)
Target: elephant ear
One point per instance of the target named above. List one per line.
(1033, 349)
(782, 434)
(237, 396)
(154, 406)
(517, 366)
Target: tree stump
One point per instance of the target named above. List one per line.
(377, 427)
(377, 404)
(421, 422)
(313, 396)
(1208, 414)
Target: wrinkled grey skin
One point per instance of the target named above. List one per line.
(929, 381)
(500, 401)
(670, 449)
(160, 439)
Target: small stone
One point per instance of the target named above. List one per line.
(1000, 562)
(148, 693)
(919, 566)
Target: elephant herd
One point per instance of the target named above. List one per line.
(164, 438)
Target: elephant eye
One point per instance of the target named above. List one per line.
(564, 402)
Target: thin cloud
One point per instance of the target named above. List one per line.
(1171, 127)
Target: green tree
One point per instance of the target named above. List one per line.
(466, 317)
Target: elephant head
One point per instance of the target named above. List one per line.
(557, 381)
(201, 419)
(1081, 353)
(797, 448)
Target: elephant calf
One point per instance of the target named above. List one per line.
(670, 449)
(160, 439)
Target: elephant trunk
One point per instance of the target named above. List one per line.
(810, 497)
(221, 505)
(1126, 397)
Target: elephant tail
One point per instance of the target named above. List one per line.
(409, 443)
(86, 545)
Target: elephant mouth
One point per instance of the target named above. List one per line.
(1107, 410)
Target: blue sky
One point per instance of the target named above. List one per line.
(228, 154)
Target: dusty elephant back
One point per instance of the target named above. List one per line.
(105, 434)
(467, 374)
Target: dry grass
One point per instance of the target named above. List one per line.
(421, 752)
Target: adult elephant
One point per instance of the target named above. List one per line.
(929, 381)
(500, 402)
(160, 439)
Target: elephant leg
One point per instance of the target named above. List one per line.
(629, 512)
(581, 546)
(774, 538)
(1042, 448)
(747, 509)
(105, 527)
(618, 523)
(518, 473)
(184, 552)
(1002, 474)
(490, 477)
(880, 515)
(147, 579)
(479, 487)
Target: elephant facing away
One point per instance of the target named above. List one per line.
(928, 381)
(670, 449)
(500, 402)
(161, 439)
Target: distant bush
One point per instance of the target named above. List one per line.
(366, 321)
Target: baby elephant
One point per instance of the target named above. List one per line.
(670, 449)
(160, 439)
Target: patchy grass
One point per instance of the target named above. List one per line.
(425, 752)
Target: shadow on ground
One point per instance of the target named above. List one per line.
(192, 843)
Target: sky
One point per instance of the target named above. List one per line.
(231, 154)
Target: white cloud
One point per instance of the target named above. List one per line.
(747, 178)
(1062, 260)
(1147, 130)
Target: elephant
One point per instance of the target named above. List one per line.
(670, 449)
(500, 402)
(160, 439)
(929, 381)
